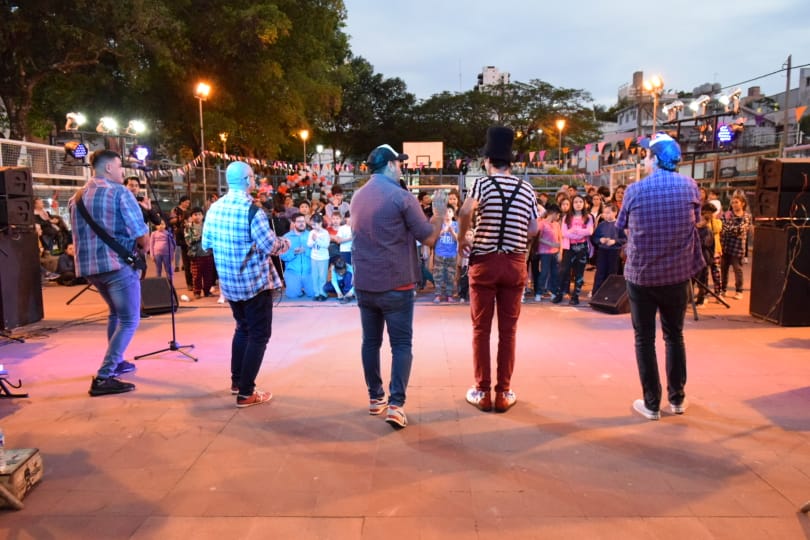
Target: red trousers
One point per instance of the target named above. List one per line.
(497, 280)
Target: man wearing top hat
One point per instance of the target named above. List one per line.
(507, 214)
(386, 223)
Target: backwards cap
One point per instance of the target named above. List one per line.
(665, 148)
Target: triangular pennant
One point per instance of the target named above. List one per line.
(800, 112)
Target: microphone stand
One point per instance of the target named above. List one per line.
(173, 345)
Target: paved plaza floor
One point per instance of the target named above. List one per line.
(177, 460)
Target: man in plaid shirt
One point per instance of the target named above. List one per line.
(243, 242)
(660, 214)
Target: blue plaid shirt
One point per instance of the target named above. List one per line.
(242, 248)
(116, 211)
(660, 213)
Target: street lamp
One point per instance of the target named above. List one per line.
(74, 120)
(654, 85)
(560, 126)
(304, 134)
(201, 93)
(223, 136)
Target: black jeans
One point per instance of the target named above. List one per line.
(254, 321)
(670, 301)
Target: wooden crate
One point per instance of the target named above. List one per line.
(20, 473)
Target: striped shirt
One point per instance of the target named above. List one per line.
(663, 246)
(492, 216)
(116, 211)
(242, 247)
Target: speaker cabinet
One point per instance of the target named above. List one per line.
(781, 204)
(787, 174)
(157, 296)
(16, 211)
(16, 182)
(20, 279)
(778, 293)
(611, 296)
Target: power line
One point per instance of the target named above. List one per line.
(762, 77)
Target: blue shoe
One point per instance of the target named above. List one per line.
(124, 367)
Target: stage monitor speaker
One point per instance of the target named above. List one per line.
(782, 204)
(611, 296)
(157, 295)
(787, 174)
(778, 293)
(16, 182)
(20, 279)
(16, 211)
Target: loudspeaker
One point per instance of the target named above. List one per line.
(16, 181)
(781, 204)
(611, 296)
(156, 296)
(16, 211)
(778, 293)
(20, 279)
(787, 174)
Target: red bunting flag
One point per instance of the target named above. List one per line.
(800, 112)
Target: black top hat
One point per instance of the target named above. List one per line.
(499, 143)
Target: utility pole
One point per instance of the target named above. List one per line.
(783, 140)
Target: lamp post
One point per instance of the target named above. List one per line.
(319, 149)
(654, 85)
(201, 93)
(560, 126)
(304, 134)
(223, 136)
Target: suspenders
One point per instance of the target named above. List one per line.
(506, 205)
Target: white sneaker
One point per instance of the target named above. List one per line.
(641, 408)
(538, 298)
(221, 299)
(678, 409)
(738, 296)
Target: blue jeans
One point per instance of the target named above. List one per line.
(319, 270)
(121, 290)
(393, 309)
(254, 322)
(548, 277)
(670, 302)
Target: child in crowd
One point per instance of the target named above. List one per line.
(704, 227)
(608, 240)
(341, 281)
(318, 241)
(162, 245)
(444, 259)
(464, 267)
(549, 240)
(66, 268)
(202, 261)
(344, 236)
(577, 228)
(733, 236)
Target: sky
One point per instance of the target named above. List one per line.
(592, 45)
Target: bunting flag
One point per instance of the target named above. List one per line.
(800, 112)
(565, 149)
(458, 164)
(542, 155)
(627, 142)
(588, 148)
(531, 156)
(601, 146)
(759, 119)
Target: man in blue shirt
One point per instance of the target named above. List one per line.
(243, 242)
(116, 211)
(660, 214)
(297, 269)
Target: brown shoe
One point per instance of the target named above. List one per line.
(256, 399)
(505, 401)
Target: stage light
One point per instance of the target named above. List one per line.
(74, 121)
(135, 127)
(731, 101)
(700, 104)
(75, 149)
(107, 124)
(140, 153)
